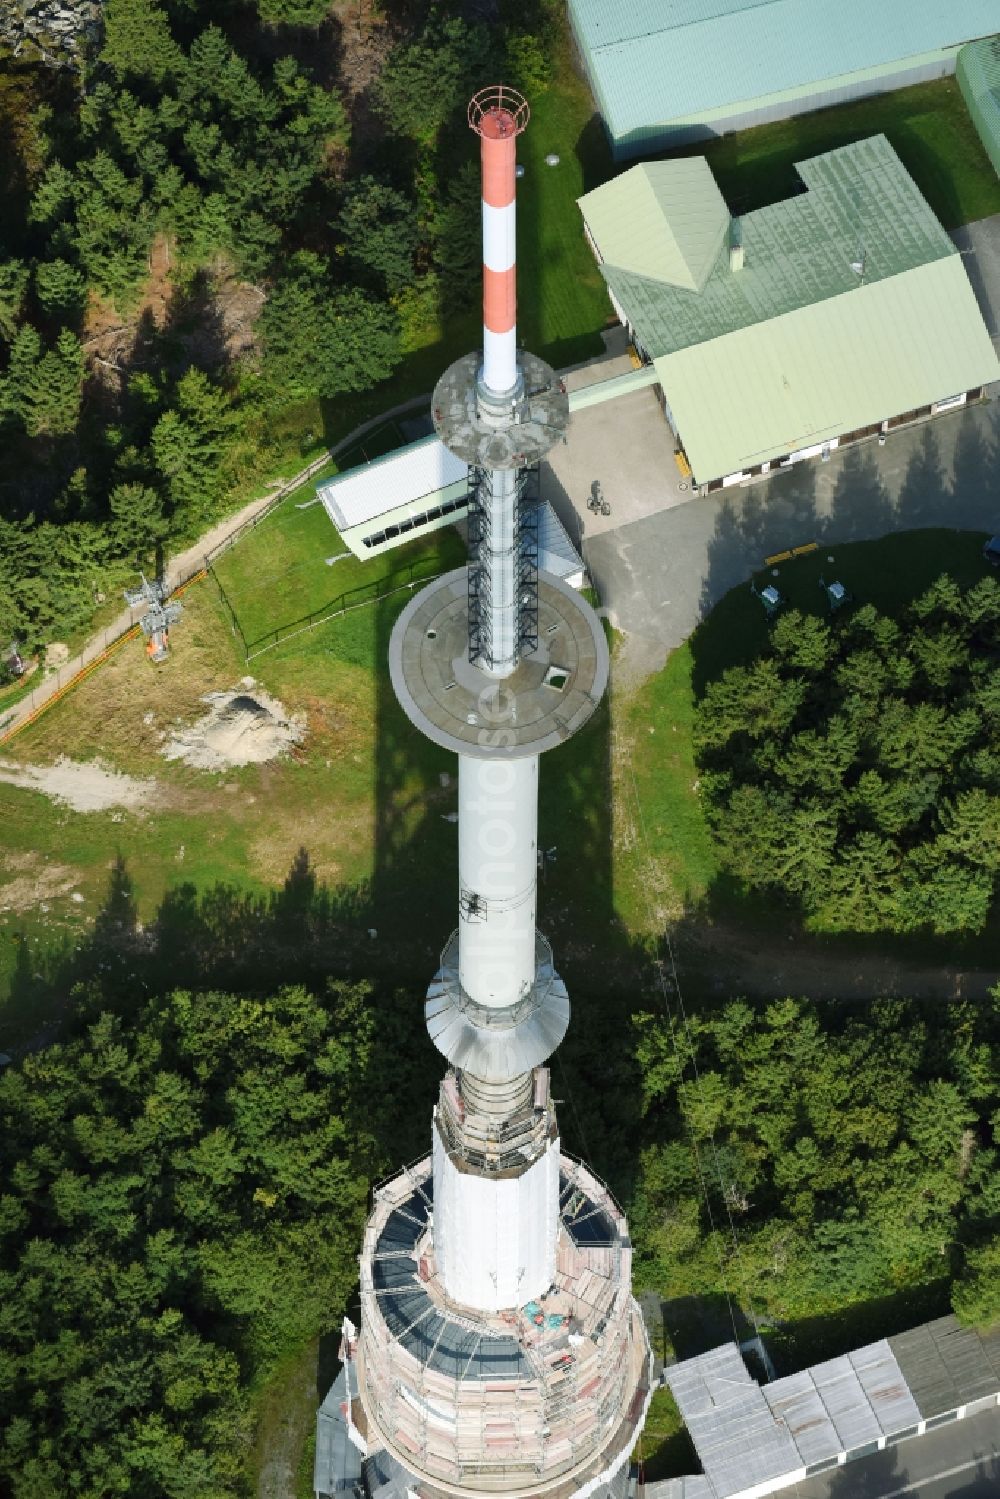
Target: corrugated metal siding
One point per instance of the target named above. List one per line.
(978, 71)
(885, 1387)
(713, 123)
(748, 1435)
(651, 65)
(795, 1402)
(410, 474)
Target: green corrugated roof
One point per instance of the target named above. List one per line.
(799, 346)
(652, 62)
(886, 347)
(665, 220)
(859, 200)
(978, 72)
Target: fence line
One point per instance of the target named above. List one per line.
(336, 614)
(97, 649)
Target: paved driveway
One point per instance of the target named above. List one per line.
(980, 247)
(628, 447)
(660, 575)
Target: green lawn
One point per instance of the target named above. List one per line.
(278, 578)
(927, 124)
(350, 788)
(366, 795)
(664, 1449)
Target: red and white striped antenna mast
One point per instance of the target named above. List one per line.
(498, 115)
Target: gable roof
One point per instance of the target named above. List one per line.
(665, 220)
(832, 367)
(852, 306)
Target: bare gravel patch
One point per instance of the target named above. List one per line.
(244, 726)
(86, 786)
(33, 881)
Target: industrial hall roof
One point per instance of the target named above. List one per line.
(859, 200)
(755, 1437)
(652, 62)
(748, 1434)
(851, 305)
(947, 1365)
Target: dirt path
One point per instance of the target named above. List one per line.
(188, 563)
(179, 569)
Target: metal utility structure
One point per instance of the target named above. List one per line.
(500, 1349)
(155, 623)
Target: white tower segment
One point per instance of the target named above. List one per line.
(500, 1349)
(497, 873)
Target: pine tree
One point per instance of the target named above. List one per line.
(13, 284)
(61, 290)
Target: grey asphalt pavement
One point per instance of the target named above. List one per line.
(957, 1461)
(660, 575)
(979, 244)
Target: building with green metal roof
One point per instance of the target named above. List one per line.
(837, 313)
(665, 72)
(978, 73)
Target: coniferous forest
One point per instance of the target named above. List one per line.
(854, 769)
(199, 144)
(187, 1169)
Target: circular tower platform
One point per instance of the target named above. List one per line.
(552, 692)
(499, 432)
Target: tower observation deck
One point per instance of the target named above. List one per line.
(500, 1349)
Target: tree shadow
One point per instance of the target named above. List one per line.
(975, 476)
(191, 331)
(951, 477)
(984, 1483)
(869, 1477)
(861, 506)
(925, 498)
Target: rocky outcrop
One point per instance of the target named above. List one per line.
(55, 32)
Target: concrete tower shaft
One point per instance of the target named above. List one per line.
(497, 873)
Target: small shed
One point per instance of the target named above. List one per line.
(414, 490)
